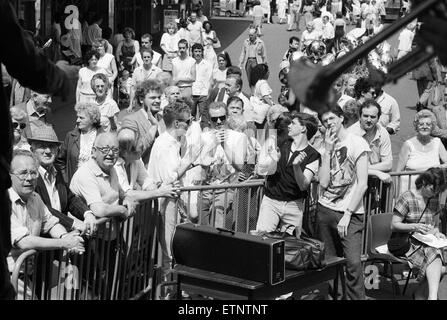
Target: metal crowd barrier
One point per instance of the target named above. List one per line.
(119, 263)
(122, 262)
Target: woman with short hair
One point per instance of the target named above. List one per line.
(84, 92)
(77, 146)
(422, 151)
(127, 49)
(417, 211)
(169, 45)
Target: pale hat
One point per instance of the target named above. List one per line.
(44, 133)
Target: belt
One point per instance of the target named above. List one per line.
(251, 58)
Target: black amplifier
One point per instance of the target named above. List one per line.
(227, 252)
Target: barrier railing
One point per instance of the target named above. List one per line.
(120, 263)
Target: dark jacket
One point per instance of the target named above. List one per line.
(67, 160)
(69, 202)
(33, 70)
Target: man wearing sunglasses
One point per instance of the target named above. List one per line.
(166, 166)
(223, 157)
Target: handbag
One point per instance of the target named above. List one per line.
(399, 243)
(302, 253)
(217, 44)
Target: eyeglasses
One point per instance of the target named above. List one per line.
(22, 175)
(106, 150)
(15, 125)
(221, 118)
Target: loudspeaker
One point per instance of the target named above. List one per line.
(231, 253)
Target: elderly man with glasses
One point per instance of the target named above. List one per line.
(30, 217)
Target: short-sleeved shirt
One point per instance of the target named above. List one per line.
(343, 174)
(380, 145)
(109, 108)
(140, 75)
(196, 32)
(30, 218)
(204, 74)
(409, 209)
(94, 185)
(182, 68)
(282, 185)
(165, 159)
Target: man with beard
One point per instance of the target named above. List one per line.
(146, 120)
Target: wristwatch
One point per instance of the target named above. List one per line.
(349, 211)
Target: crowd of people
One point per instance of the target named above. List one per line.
(187, 122)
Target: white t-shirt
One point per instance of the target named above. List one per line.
(105, 62)
(405, 40)
(343, 174)
(196, 32)
(182, 69)
(170, 42)
(204, 74)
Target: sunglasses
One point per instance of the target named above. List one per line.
(21, 125)
(221, 118)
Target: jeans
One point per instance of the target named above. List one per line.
(200, 108)
(349, 247)
(168, 220)
(275, 214)
(219, 202)
(251, 63)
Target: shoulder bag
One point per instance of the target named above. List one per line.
(399, 242)
(302, 253)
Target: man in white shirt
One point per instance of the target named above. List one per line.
(223, 157)
(201, 87)
(406, 40)
(30, 218)
(380, 158)
(184, 70)
(390, 118)
(146, 42)
(195, 27)
(166, 166)
(328, 33)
